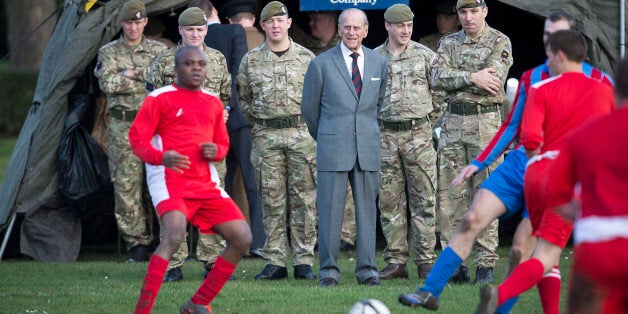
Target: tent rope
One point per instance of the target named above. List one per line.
(13, 49)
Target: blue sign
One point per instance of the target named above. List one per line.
(338, 5)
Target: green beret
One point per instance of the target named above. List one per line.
(273, 8)
(469, 4)
(398, 13)
(192, 16)
(132, 11)
(446, 7)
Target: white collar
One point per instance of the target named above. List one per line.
(346, 51)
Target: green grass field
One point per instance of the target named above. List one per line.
(101, 282)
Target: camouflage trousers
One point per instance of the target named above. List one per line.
(284, 161)
(209, 246)
(133, 215)
(462, 139)
(408, 180)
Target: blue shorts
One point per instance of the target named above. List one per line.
(506, 182)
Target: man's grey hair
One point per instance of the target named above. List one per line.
(346, 11)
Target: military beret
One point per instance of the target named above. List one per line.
(469, 4)
(132, 11)
(446, 7)
(398, 13)
(234, 7)
(273, 8)
(193, 17)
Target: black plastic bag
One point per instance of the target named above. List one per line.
(84, 179)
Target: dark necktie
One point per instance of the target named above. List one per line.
(355, 74)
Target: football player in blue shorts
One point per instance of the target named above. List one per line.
(501, 194)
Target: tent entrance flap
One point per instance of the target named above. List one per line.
(30, 185)
(599, 21)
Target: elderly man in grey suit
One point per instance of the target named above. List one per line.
(342, 92)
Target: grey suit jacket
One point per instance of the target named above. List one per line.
(344, 126)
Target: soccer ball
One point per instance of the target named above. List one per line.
(369, 306)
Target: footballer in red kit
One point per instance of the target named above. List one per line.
(556, 107)
(178, 132)
(554, 110)
(595, 158)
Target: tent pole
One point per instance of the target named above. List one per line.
(7, 235)
(622, 28)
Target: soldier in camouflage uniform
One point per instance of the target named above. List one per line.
(121, 70)
(324, 29)
(471, 66)
(270, 82)
(446, 23)
(408, 157)
(193, 28)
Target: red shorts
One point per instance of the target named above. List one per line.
(546, 223)
(554, 228)
(603, 265)
(204, 213)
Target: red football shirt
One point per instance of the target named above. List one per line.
(556, 107)
(175, 118)
(596, 157)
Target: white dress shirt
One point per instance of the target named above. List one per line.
(346, 53)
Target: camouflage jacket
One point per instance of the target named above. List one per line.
(431, 40)
(408, 93)
(116, 56)
(271, 86)
(458, 56)
(217, 79)
(308, 41)
(317, 49)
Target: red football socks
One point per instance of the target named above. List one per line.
(523, 277)
(549, 291)
(214, 282)
(152, 283)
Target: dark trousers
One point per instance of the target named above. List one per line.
(240, 154)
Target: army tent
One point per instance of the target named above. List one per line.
(599, 21)
(51, 232)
